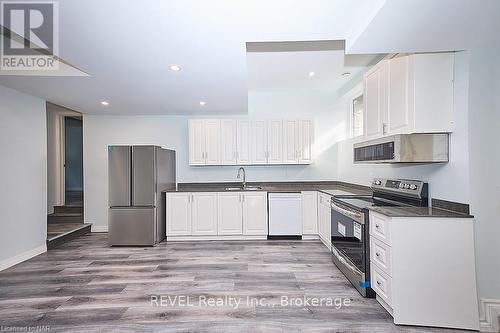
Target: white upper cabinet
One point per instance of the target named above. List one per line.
(243, 142)
(375, 95)
(204, 142)
(306, 141)
(229, 149)
(398, 111)
(258, 142)
(212, 142)
(409, 94)
(275, 141)
(290, 151)
(196, 142)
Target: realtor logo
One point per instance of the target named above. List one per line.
(30, 37)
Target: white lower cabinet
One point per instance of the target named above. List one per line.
(216, 214)
(419, 265)
(204, 213)
(178, 214)
(324, 219)
(255, 213)
(230, 212)
(310, 213)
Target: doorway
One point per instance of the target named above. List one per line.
(73, 161)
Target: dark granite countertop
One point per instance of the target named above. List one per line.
(409, 211)
(327, 187)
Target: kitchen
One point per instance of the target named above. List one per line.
(302, 171)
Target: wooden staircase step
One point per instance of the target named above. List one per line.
(65, 218)
(57, 235)
(68, 209)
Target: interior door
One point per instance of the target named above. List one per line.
(119, 162)
(143, 176)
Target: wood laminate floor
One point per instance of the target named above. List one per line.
(86, 286)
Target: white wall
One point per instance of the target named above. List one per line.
(484, 171)
(171, 132)
(23, 172)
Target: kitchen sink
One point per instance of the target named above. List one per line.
(247, 188)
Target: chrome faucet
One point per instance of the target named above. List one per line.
(243, 182)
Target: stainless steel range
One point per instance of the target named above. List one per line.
(350, 230)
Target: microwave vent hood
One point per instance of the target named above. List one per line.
(404, 148)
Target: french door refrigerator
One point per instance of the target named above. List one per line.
(137, 176)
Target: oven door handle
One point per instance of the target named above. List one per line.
(347, 262)
(359, 217)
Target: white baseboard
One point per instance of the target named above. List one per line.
(9, 262)
(99, 228)
(309, 237)
(489, 311)
(213, 238)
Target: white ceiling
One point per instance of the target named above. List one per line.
(289, 71)
(126, 47)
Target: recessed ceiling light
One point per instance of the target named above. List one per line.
(175, 67)
(346, 74)
(105, 103)
(202, 103)
(312, 74)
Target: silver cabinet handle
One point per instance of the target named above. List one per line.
(379, 283)
(192, 197)
(377, 226)
(377, 254)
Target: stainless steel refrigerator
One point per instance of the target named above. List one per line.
(137, 176)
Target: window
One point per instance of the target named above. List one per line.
(357, 116)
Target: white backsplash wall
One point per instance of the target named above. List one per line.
(172, 132)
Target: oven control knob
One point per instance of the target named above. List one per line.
(413, 187)
(407, 186)
(377, 182)
(401, 185)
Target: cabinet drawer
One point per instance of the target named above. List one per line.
(380, 254)
(380, 227)
(381, 283)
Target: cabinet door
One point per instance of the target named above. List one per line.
(228, 141)
(290, 141)
(196, 142)
(230, 213)
(178, 214)
(204, 213)
(259, 142)
(310, 212)
(275, 142)
(212, 142)
(243, 142)
(255, 213)
(375, 94)
(306, 139)
(397, 94)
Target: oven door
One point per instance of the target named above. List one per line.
(349, 245)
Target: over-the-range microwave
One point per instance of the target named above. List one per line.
(404, 148)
